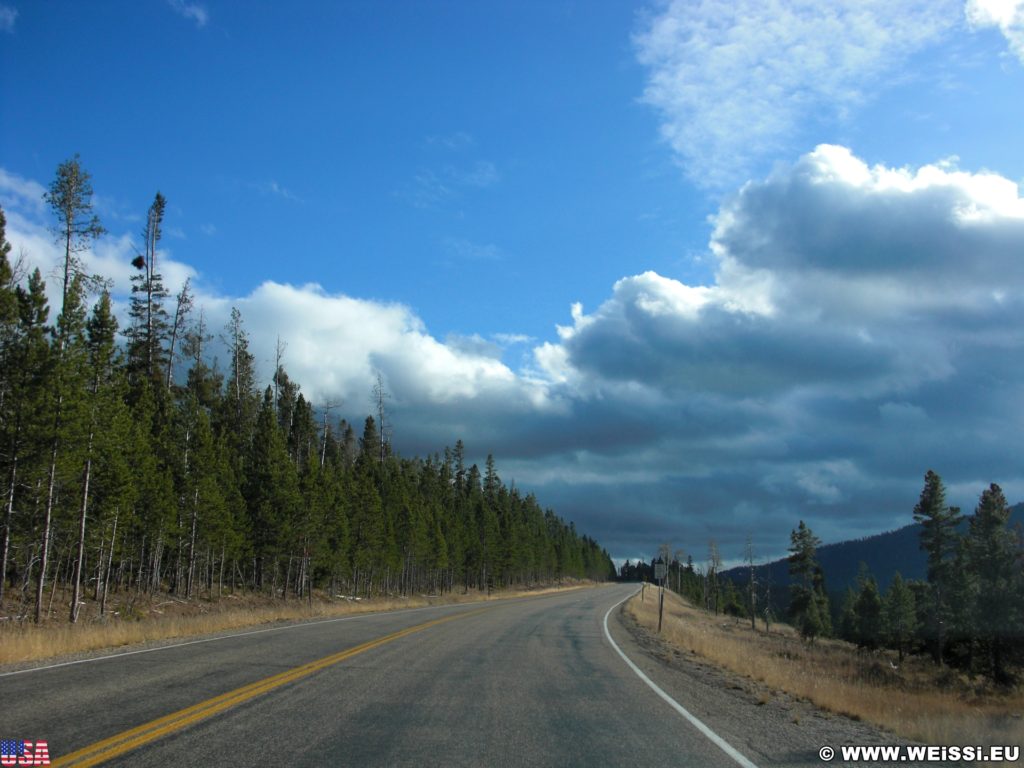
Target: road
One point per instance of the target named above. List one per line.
(526, 682)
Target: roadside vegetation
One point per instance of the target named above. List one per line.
(940, 660)
(134, 470)
(914, 699)
(157, 618)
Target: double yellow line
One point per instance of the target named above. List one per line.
(108, 749)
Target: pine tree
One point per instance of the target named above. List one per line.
(154, 517)
(182, 309)
(149, 329)
(961, 634)
(899, 616)
(848, 617)
(808, 605)
(204, 382)
(868, 612)
(271, 495)
(241, 400)
(70, 199)
(369, 443)
(939, 539)
(101, 331)
(112, 490)
(66, 410)
(993, 554)
(10, 403)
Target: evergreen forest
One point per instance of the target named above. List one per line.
(966, 613)
(130, 462)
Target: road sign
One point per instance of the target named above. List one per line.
(660, 569)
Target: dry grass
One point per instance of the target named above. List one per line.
(915, 700)
(164, 618)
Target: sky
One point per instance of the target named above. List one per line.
(689, 270)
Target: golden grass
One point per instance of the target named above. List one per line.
(916, 700)
(165, 618)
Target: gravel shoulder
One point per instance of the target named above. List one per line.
(769, 727)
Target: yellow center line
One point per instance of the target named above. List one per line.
(112, 747)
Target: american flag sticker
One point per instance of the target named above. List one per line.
(24, 752)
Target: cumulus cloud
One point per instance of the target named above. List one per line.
(1006, 15)
(336, 344)
(734, 80)
(864, 320)
(863, 326)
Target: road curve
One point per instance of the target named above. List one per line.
(531, 682)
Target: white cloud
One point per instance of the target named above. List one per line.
(8, 16)
(734, 80)
(21, 193)
(509, 339)
(1007, 15)
(864, 320)
(863, 325)
(192, 11)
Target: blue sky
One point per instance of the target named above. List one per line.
(689, 270)
(444, 155)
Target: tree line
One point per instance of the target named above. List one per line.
(968, 612)
(131, 463)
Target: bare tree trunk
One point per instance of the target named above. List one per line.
(158, 553)
(278, 354)
(184, 306)
(53, 587)
(76, 593)
(44, 556)
(8, 518)
(150, 270)
(192, 544)
(142, 559)
(110, 561)
(99, 569)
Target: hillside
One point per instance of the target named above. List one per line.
(884, 554)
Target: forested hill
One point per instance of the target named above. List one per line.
(115, 477)
(884, 554)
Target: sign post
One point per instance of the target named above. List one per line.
(660, 570)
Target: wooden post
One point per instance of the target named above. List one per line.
(661, 605)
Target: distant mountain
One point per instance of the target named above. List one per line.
(884, 554)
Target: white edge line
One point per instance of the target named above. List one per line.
(696, 723)
(226, 637)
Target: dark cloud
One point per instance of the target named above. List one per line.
(863, 327)
(868, 316)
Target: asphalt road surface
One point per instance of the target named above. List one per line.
(526, 682)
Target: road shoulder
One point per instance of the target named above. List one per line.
(771, 728)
